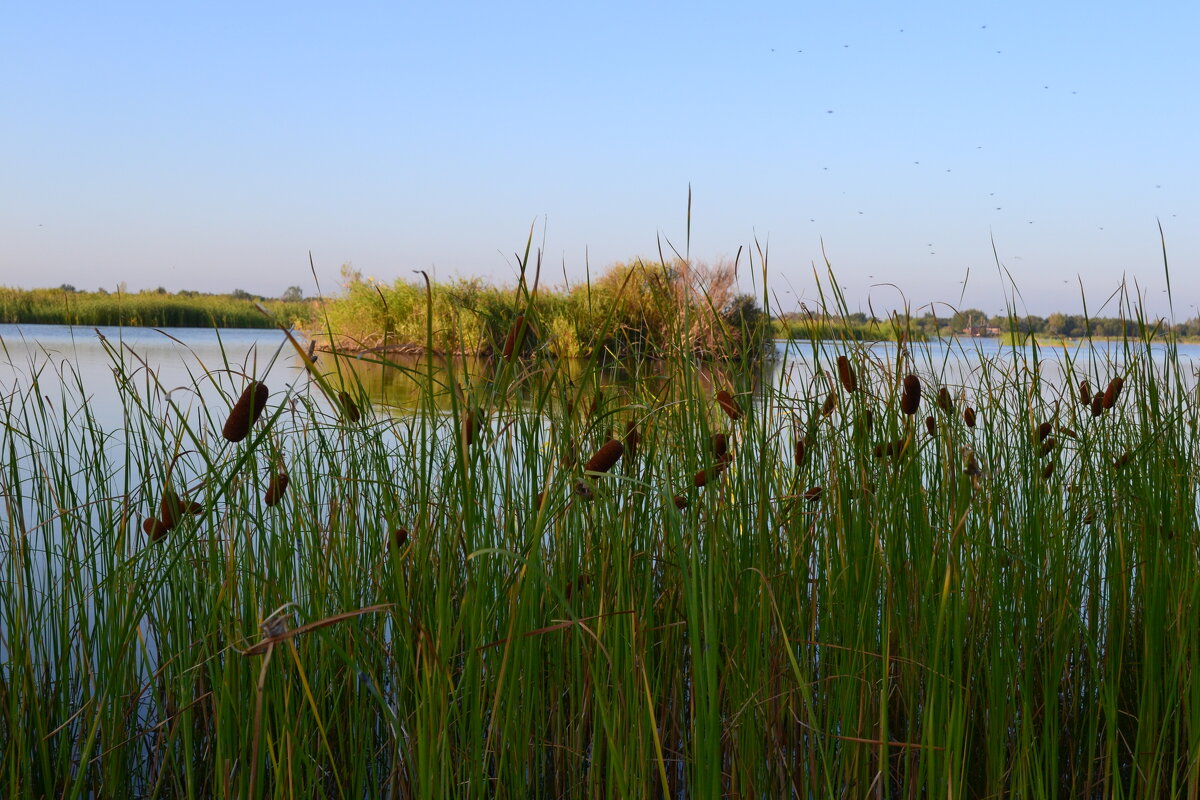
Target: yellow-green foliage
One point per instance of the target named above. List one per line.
(634, 307)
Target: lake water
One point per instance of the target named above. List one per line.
(187, 364)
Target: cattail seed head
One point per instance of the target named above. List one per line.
(349, 407)
(846, 374)
(246, 411)
(399, 538)
(1047, 447)
(829, 405)
(1085, 393)
(813, 494)
(931, 426)
(893, 448)
(1043, 431)
(969, 416)
(514, 333)
(720, 445)
(1121, 460)
(276, 488)
(154, 528)
(1048, 471)
(729, 405)
(944, 401)
(680, 502)
(1112, 392)
(605, 457)
(1097, 404)
(910, 399)
(170, 509)
(702, 477)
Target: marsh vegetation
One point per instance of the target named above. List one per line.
(877, 576)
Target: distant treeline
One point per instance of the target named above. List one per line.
(158, 308)
(972, 322)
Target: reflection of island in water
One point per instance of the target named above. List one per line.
(398, 380)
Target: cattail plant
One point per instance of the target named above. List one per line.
(1085, 393)
(813, 494)
(399, 538)
(604, 458)
(275, 489)
(829, 405)
(910, 398)
(969, 417)
(1109, 398)
(931, 426)
(1097, 404)
(515, 335)
(1043, 431)
(729, 405)
(155, 528)
(944, 401)
(720, 445)
(846, 374)
(246, 411)
(349, 407)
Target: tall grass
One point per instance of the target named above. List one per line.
(879, 613)
(151, 309)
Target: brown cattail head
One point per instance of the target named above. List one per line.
(170, 509)
(1048, 447)
(399, 538)
(969, 416)
(894, 448)
(154, 528)
(349, 407)
(609, 454)
(729, 405)
(799, 451)
(472, 425)
(720, 445)
(1112, 392)
(1043, 431)
(514, 333)
(846, 374)
(705, 475)
(1097, 404)
(944, 401)
(1085, 393)
(931, 426)
(910, 399)
(1049, 470)
(970, 463)
(246, 411)
(680, 502)
(276, 488)
(813, 494)
(829, 405)
(1121, 460)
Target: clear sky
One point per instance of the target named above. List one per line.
(212, 146)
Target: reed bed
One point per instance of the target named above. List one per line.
(750, 597)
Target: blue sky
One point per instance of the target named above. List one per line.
(213, 146)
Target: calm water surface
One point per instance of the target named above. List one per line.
(186, 364)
